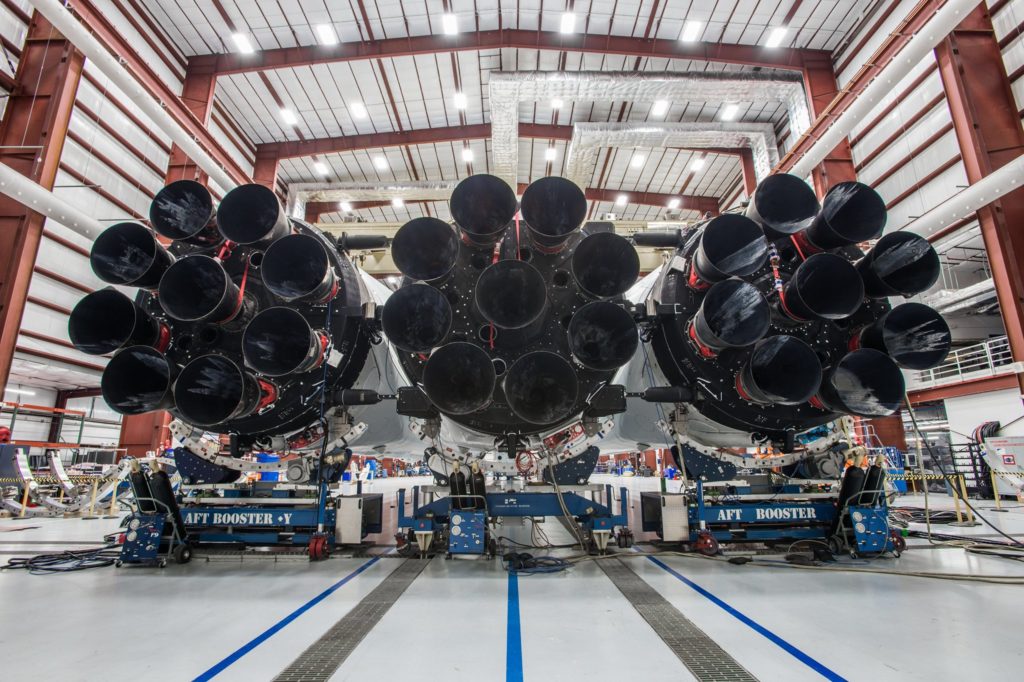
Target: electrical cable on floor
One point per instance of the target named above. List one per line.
(1014, 550)
(527, 564)
(565, 510)
(67, 561)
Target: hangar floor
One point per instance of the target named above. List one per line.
(467, 619)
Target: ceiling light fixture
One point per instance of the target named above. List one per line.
(358, 109)
(380, 163)
(450, 23)
(243, 43)
(19, 391)
(621, 200)
(321, 168)
(556, 103)
(777, 35)
(397, 202)
(698, 164)
(345, 207)
(673, 203)
(730, 111)
(691, 31)
(326, 34)
(568, 23)
(550, 154)
(288, 116)
(467, 155)
(637, 161)
(659, 108)
(459, 99)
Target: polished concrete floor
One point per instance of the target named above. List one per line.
(231, 619)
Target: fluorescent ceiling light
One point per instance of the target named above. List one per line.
(345, 206)
(243, 43)
(730, 111)
(321, 168)
(698, 164)
(673, 203)
(380, 163)
(556, 103)
(550, 153)
(637, 161)
(621, 200)
(358, 109)
(19, 391)
(691, 31)
(659, 108)
(568, 23)
(460, 100)
(288, 116)
(450, 23)
(467, 155)
(777, 35)
(398, 202)
(326, 34)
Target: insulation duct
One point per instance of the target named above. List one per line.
(507, 90)
(110, 66)
(588, 139)
(882, 86)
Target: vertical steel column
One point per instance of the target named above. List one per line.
(988, 129)
(264, 171)
(749, 174)
(822, 87)
(32, 136)
(197, 94)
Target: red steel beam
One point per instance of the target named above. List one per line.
(282, 58)
(822, 88)
(889, 50)
(115, 42)
(960, 389)
(348, 143)
(197, 95)
(988, 128)
(37, 115)
(314, 209)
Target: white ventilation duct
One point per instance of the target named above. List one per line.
(34, 196)
(507, 90)
(588, 139)
(885, 80)
(110, 66)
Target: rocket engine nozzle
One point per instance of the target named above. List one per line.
(912, 334)
(824, 287)
(279, 341)
(296, 267)
(425, 249)
(541, 387)
(198, 289)
(605, 265)
(252, 214)
(138, 379)
(459, 378)
(553, 208)
(900, 264)
(107, 320)
(782, 369)
(128, 254)
(183, 211)
(602, 336)
(733, 314)
(483, 206)
(213, 389)
(851, 212)
(865, 382)
(417, 318)
(783, 204)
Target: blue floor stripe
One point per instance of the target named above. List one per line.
(279, 625)
(754, 625)
(514, 637)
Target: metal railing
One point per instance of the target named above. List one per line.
(990, 358)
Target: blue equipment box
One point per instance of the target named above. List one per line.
(142, 539)
(466, 532)
(870, 528)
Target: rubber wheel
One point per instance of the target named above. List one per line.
(182, 554)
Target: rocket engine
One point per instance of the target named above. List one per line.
(243, 320)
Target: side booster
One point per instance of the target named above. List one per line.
(775, 321)
(235, 326)
(513, 325)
